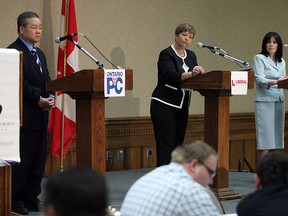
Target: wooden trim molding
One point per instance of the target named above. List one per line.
(131, 144)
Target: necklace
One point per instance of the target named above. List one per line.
(182, 55)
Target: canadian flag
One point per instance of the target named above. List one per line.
(62, 122)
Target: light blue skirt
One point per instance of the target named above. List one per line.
(270, 121)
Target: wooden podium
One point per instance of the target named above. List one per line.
(283, 84)
(87, 87)
(215, 86)
(5, 190)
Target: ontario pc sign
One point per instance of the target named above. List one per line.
(114, 82)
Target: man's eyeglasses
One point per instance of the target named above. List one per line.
(210, 171)
(34, 27)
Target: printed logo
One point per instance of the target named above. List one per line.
(114, 83)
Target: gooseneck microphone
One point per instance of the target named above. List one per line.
(201, 45)
(69, 36)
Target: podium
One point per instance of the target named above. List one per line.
(6, 190)
(283, 84)
(215, 86)
(87, 88)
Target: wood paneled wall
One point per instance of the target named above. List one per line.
(131, 143)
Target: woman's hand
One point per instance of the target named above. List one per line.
(283, 78)
(197, 70)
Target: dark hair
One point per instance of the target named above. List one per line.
(76, 191)
(22, 18)
(273, 168)
(266, 39)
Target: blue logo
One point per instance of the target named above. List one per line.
(114, 82)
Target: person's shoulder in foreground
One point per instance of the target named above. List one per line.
(271, 182)
(178, 188)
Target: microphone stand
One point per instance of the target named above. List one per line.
(101, 66)
(225, 55)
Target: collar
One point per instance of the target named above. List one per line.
(182, 57)
(28, 45)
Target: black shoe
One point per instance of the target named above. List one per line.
(18, 207)
(35, 205)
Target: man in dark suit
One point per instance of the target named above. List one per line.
(27, 175)
(271, 195)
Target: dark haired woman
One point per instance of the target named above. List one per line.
(269, 68)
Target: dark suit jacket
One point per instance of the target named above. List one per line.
(271, 200)
(34, 87)
(170, 69)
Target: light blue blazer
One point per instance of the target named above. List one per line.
(264, 70)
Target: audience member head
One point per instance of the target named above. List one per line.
(273, 168)
(75, 191)
(199, 159)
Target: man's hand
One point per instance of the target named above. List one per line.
(46, 103)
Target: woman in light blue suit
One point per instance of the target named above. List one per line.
(269, 67)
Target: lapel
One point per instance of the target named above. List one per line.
(271, 63)
(31, 59)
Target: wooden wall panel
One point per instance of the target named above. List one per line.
(236, 152)
(134, 136)
(133, 158)
(250, 153)
(53, 164)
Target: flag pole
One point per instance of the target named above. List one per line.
(63, 97)
(63, 122)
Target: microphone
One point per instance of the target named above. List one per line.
(69, 36)
(201, 45)
(285, 46)
(117, 67)
(225, 55)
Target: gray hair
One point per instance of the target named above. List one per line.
(198, 150)
(22, 19)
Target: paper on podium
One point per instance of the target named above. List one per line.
(9, 105)
(239, 82)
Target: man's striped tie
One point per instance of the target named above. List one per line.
(35, 56)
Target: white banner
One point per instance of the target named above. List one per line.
(239, 82)
(114, 82)
(9, 105)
